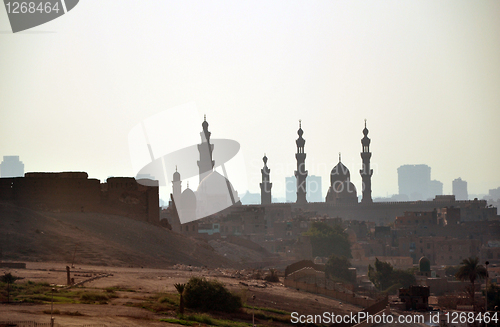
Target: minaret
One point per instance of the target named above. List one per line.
(176, 185)
(366, 172)
(205, 164)
(265, 186)
(301, 172)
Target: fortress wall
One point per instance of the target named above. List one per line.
(53, 191)
(153, 205)
(124, 196)
(74, 191)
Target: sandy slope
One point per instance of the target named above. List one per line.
(99, 239)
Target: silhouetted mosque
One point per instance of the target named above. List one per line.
(215, 193)
(341, 189)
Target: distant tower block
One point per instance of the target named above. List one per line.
(459, 187)
(366, 172)
(265, 186)
(11, 166)
(301, 172)
(205, 164)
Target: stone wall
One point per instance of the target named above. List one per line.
(75, 192)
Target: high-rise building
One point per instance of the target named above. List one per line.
(314, 193)
(291, 189)
(460, 189)
(313, 185)
(414, 180)
(11, 166)
(435, 188)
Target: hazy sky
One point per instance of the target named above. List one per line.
(425, 74)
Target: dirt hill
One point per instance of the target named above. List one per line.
(99, 239)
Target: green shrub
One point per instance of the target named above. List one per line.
(91, 297)
(167, 299)
(210, 296)
(41, 297)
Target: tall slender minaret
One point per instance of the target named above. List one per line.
(176, 185)
(366, 172)
(265, 186)
(301, 172)
(205, 164)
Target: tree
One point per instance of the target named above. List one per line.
(326, 240)
(180, 289)
(338, 268)
(405, 278)
(384, 276)
(380, 276)
(451, 271)
(9, 279)
(206, 295)
(471, 270)
(493, 296)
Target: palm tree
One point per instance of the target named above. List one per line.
(471, 270)
(180, 289)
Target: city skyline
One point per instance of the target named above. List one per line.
(425, 76)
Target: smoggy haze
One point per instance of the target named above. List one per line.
(426, 76)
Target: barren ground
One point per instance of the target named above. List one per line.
(147, 282)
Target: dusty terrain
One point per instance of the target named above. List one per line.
(146, 282)
(141, 258)
(107, 240)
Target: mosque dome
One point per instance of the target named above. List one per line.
(341, 170)
(341, 189)
(215, 183)
(339, 173)
(188, 199)
(424, 264)
(215, 193)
